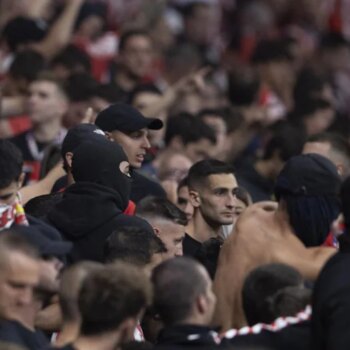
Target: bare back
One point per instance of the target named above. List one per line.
(260, 237)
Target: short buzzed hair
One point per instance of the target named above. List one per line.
(201, 170)
(71, 282)
(111, 295)
(162, 208)
(133, 244)
(11, 241)
(177, 283)
(338, 145)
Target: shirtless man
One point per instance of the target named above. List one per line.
(270, 233)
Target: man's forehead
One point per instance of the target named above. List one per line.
(222, 180)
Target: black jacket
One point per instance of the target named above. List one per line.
(86, 216)
(331, 305)
(187, 336)
(14, 333)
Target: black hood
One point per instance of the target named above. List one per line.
(100, 162)
(84, 208)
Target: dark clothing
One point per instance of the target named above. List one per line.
(33, 153)
(86, 216)
(187, 336)
(293, 337)
(60, 185)
(142, 187)
(331, 305)
(206, 253)
(260, 188)
(67, 347)
(13, 332)
(190, 246)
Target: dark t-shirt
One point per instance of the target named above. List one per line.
(13, 332)
(190, 246)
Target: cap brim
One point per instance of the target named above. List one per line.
(56, 249)
(154, 124)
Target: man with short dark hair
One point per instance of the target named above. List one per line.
(168, 223)
(211, 185)
(135, 245)
(134, 61)
(185, 303)
(188, 134)
(111, 301)
(126, 126)
(276, 304)
(258, 176)
(332, 146)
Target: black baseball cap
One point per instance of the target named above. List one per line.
(78, 134)
(125, 118)
(308, 175)
(46, 239)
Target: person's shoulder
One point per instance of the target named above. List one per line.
(20, 138)
(255, 213)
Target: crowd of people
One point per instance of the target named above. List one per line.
(174, 174)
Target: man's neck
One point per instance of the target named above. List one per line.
(47, 132)
(106, 341)
(202, 230)
(68, 334)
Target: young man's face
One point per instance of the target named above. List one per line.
(46, 102)
(134, 144)
(172, 235)
(18, 277)
(216, 199)
(137, 55)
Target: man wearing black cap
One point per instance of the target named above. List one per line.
(128, 127)
(93, 206)
(75, 136)
(288, 233)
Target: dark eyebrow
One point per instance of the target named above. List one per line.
(7, 196)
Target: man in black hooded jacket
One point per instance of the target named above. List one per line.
(93, 207)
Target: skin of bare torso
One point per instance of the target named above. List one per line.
(262, 235)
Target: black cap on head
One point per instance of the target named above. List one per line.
(308, 175)
(78, 134)
(125, 118)
(46, 239)
(99, 162)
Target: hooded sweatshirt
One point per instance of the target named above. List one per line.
(91, 209)
(86, 216)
